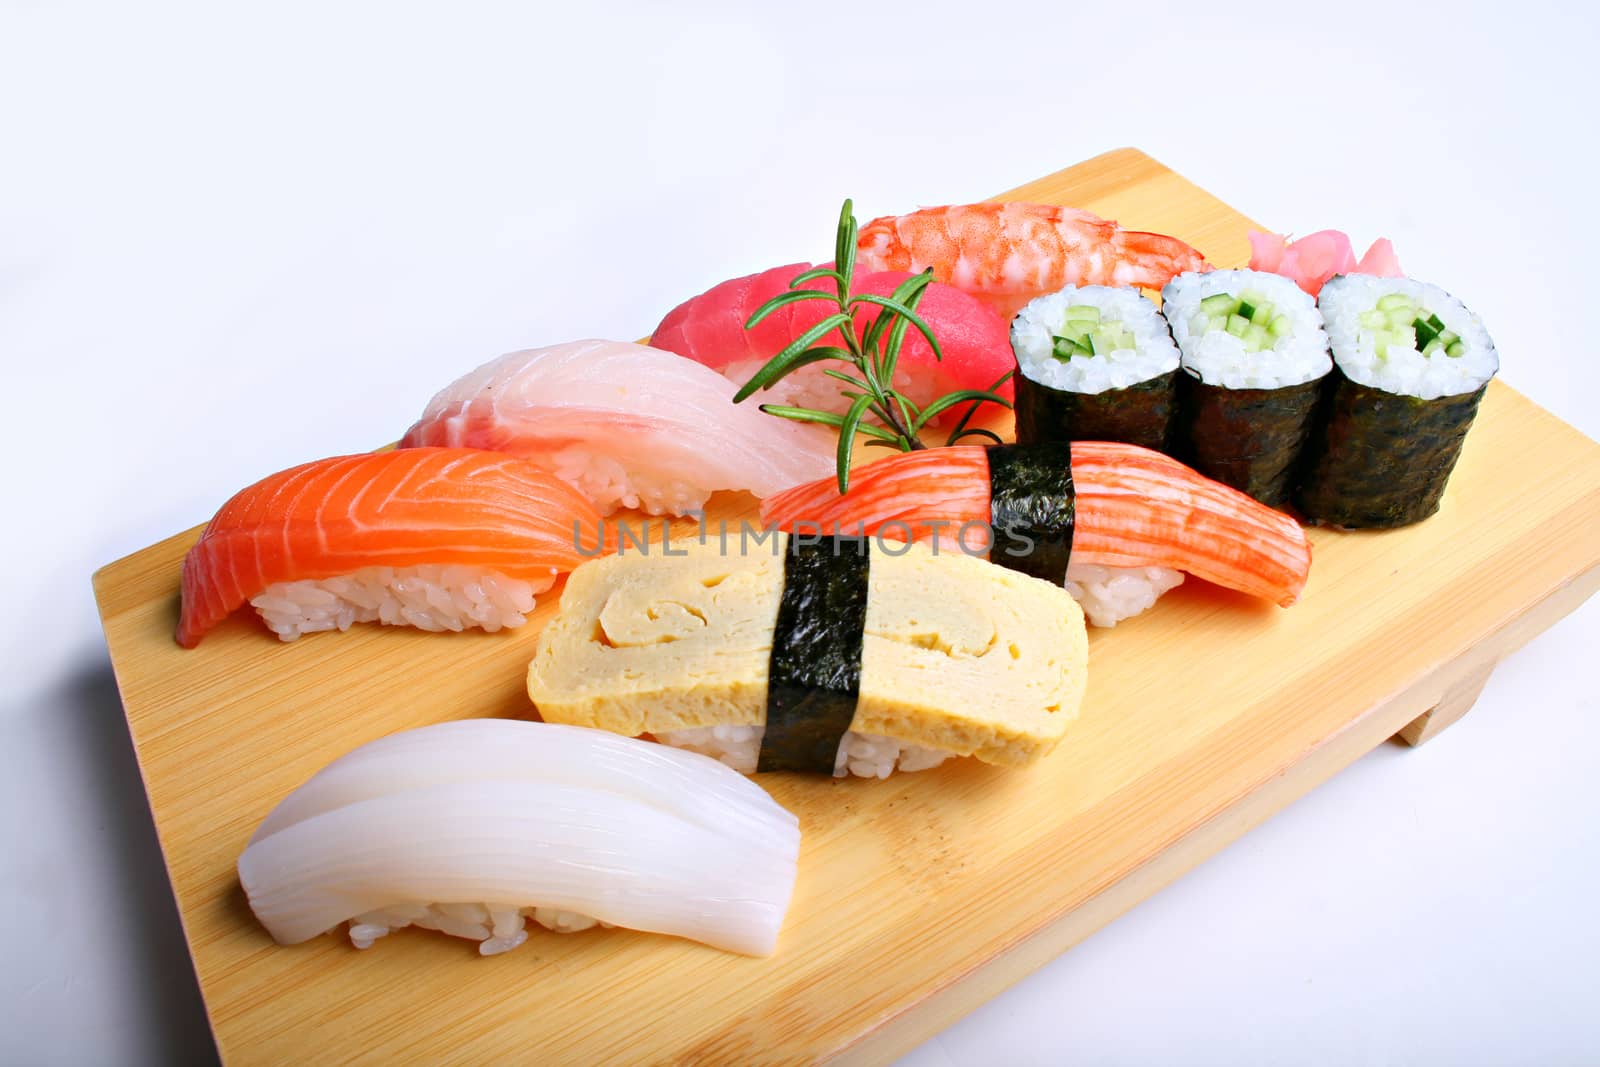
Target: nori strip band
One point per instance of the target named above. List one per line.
(1251, 439)
(814, 672)
(1032, 507)
(1380, 459)
(1139, 414)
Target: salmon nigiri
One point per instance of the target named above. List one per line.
(1141, 518)
(437, 538)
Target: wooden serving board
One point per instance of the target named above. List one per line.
(919, 897)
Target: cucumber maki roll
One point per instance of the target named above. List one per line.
(1254, 357)
(1095, 364)
(1411, 364)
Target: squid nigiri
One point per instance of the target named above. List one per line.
(1138, 519)
(437, 538)
(709, 328)
(628, 425)
(471, 827)
(1008, 253)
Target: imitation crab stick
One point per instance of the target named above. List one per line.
(1134, 507)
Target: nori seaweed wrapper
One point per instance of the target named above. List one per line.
(1139, 414)
(814, 673)
(1251, 439)
(1381, 459)
(1032, 507)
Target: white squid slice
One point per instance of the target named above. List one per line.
(494, 811)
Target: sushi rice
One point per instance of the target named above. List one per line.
(1217, 357)
(1401, 370)
(1109, 595)
(861, 755)
(1036, 326)
(434, 597)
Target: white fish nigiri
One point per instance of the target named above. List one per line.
(628, 425)
(468, 827)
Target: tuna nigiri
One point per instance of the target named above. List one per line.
(471, 827)
(1140, 518)
(709, 328)
(628, 425)
(1008, 253)
(437, 538)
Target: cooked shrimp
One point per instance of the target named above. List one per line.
(1135, 508)
(1006, 254)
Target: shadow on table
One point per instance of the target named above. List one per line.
(161, 974)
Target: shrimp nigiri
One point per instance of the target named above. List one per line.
(1008, 253)
(974, 344)
(1134, 509)
(437, 538)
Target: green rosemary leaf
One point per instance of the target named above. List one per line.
(847, 435)
(812, 275)
(975, 432)
(950, 400)
(961, 427)
(790, 357)
(829, 418)
(874, 334)
(905, 314)
(803, 359)
(891, 347)
(909, 292)
(790, 296)
(844, 249)
(843, 377)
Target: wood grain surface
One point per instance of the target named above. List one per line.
(918, 897)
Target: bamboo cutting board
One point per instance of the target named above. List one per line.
(919, 897)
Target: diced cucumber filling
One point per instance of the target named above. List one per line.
(1250, 317)
(1398, 321)
(1085, 333)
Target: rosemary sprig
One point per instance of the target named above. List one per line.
(872, 356)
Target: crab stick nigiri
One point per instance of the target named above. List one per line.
(437, 538)
(1136, 519)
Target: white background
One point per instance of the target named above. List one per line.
(233, 241)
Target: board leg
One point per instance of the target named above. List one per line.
(1454, 704)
